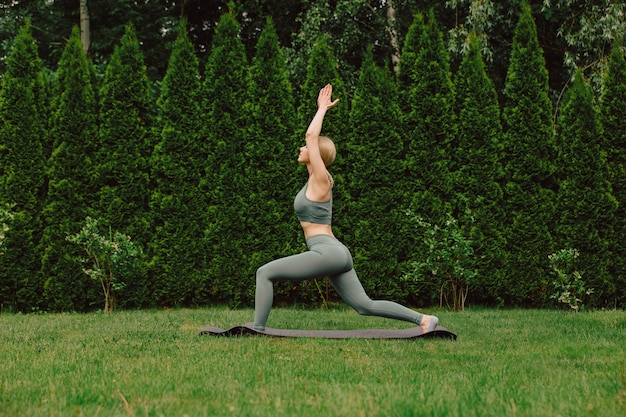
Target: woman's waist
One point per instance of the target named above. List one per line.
(313, 229)
(321, 238)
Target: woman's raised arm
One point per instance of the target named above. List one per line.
(319, 182)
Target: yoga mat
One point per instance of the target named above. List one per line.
(247, 329)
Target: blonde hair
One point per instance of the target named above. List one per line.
(328, 152)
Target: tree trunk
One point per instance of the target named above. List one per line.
(393, 35)
(85, 31)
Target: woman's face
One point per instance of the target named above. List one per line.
(303, 157)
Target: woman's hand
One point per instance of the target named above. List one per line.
(324, 99)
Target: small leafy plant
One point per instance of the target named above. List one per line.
(112, 258)
(448, 260)
(569, 285)
(5, 218)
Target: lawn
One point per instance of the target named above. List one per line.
(153, 363)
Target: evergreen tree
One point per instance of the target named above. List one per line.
(176, 253)
(585, 203)
(223, 94)
(431, 125)
(477, 157)
(612, 111)
(71, 186)
(23, 116)
(271, 151)
(413, 44)
(529, 153)
(428, 122)
(375, 213)
(120, 162)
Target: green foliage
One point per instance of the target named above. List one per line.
(528, 111)
(223, 94)
(270, 149)
(5, 219)
(71, 190)
(429, 126)
(357, 26)
(529, 155)
(221, 174)
(176, 255)
(479, 172)
(574, 32)
(108, 19)
(126, 115)
(313, 25)
(113, 258)
(413, 44)
(478, 25)
(568, 286)
(588, 29)
(23, 117)
(613, 123)
(430, 123)
(349, 26)
(373, 218)
(585, 203)
(448, 264)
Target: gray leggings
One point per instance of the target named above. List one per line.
(326, 257)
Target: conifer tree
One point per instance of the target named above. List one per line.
(585, 204)
(413, 44)
(479, 170)
(71, 189)
(375, 213)
(23, 117)
(121, 167)
(271, 149)
(612, 111)
(430, 124)
(176, 253)
(223, 94)
(529, 153)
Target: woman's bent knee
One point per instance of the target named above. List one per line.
(262, 274)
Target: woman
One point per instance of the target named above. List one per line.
(326, 257)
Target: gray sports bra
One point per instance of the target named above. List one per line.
(313, 211)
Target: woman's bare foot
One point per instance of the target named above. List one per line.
(429, 323)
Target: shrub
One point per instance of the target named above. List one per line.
(113, 258)
(5, 218)
(569, 285)
(448, 260)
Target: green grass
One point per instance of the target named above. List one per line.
(153, 363)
